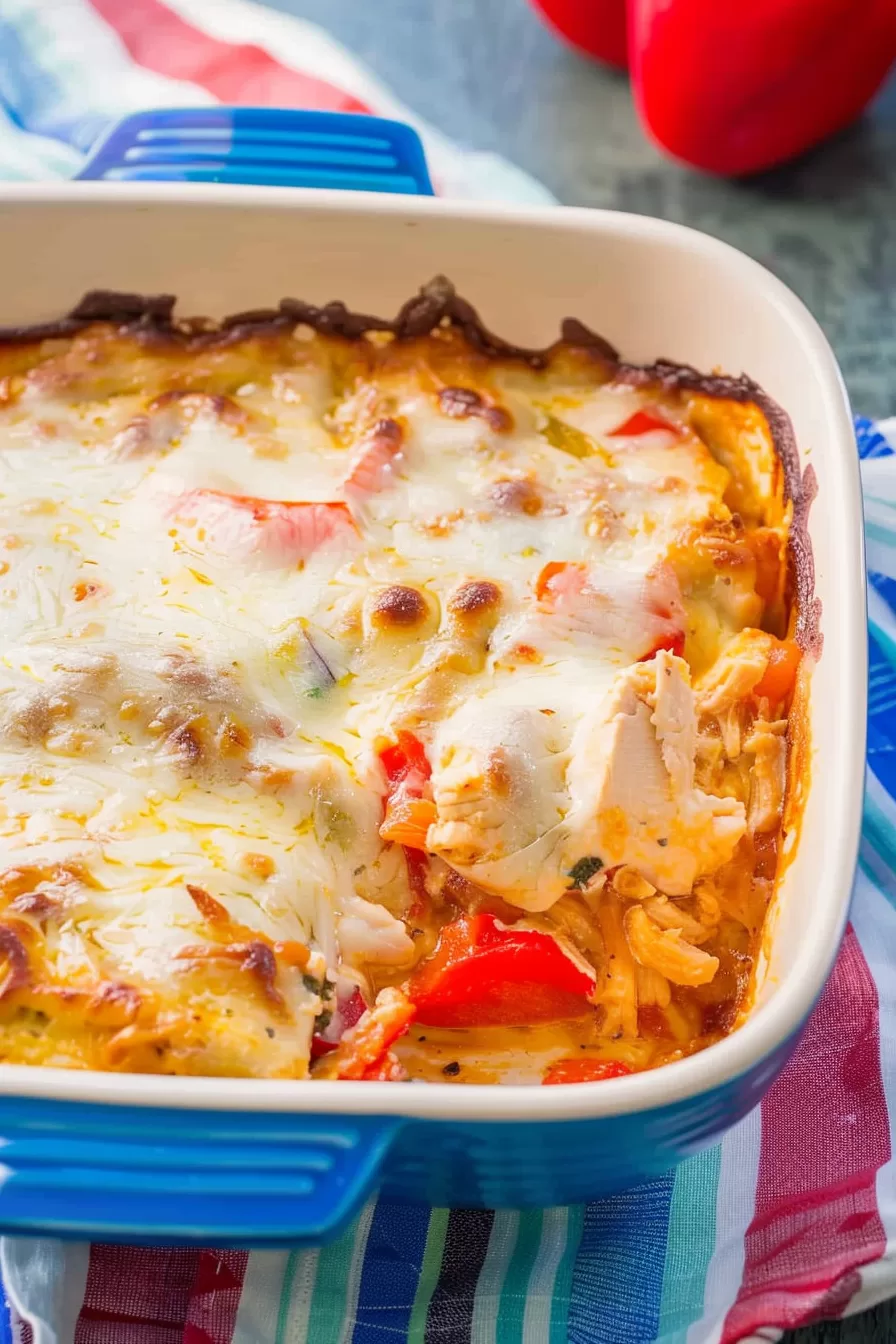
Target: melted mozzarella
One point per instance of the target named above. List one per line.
(192, 696)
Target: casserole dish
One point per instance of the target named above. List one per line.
(264, 1162)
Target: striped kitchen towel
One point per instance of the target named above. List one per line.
(792, 1218)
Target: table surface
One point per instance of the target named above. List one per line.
(486, 73)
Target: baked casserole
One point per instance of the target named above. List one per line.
(381, 700)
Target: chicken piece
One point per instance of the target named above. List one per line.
(666, 951)
(617, 993)
(768, 745)
(706, 904)
(654, 989)
(369, 934)
(631, 783)
(497, 784)
(670, 916)
(527, 821)
(733, 675)
(629, 883)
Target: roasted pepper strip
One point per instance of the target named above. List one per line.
(777, 680)
(408, 814)
(575, 1070)
(285, 531)
(485, 974)
(364, 1051)
(641, 422)
(672, 643)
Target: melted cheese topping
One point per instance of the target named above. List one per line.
(231, 575)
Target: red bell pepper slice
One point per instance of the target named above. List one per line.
(641, 422)
(672, 643)
(404, 761)
(561, 579)
(783, 664)
(286, 531)
(597, 27)
(408, 814)
(734, 88)
(575, 1070)
(373, 467)
(364, 1052)
(486, 974)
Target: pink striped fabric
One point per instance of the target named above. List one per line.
(128, 1287)
(155, 1296)
(825, 1134)
(161, 40)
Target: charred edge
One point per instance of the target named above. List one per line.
(800, 486)
(438, 304)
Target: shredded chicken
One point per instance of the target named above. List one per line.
(618, 992)
(734, 674)
(369, 933)
(732, 722)
(654, 989)
(666, 951)
(632, 783)
(520, 817)
(629, 882)
(706, 903)
(497, 785)
(768, 745)
(668, 915)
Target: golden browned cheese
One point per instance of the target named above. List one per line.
(239, 567)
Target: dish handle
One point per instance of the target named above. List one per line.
(195, 1177)
(263, 146)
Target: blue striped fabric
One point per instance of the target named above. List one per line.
(395, 1246)
(618, 1278)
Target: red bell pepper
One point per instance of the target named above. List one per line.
(285, 531)
(735, 88)
(732, 87)
(641, 422)
(777, 680)
(596, 27)
(487, 974)
(671, 643)
(576, 1070)
(408, 814)
(364, 1053)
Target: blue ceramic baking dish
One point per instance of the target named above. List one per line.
(268, 1163)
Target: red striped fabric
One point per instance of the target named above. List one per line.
(215, 1297)
(136, 1295)
(161, 40)
(825, 1134)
